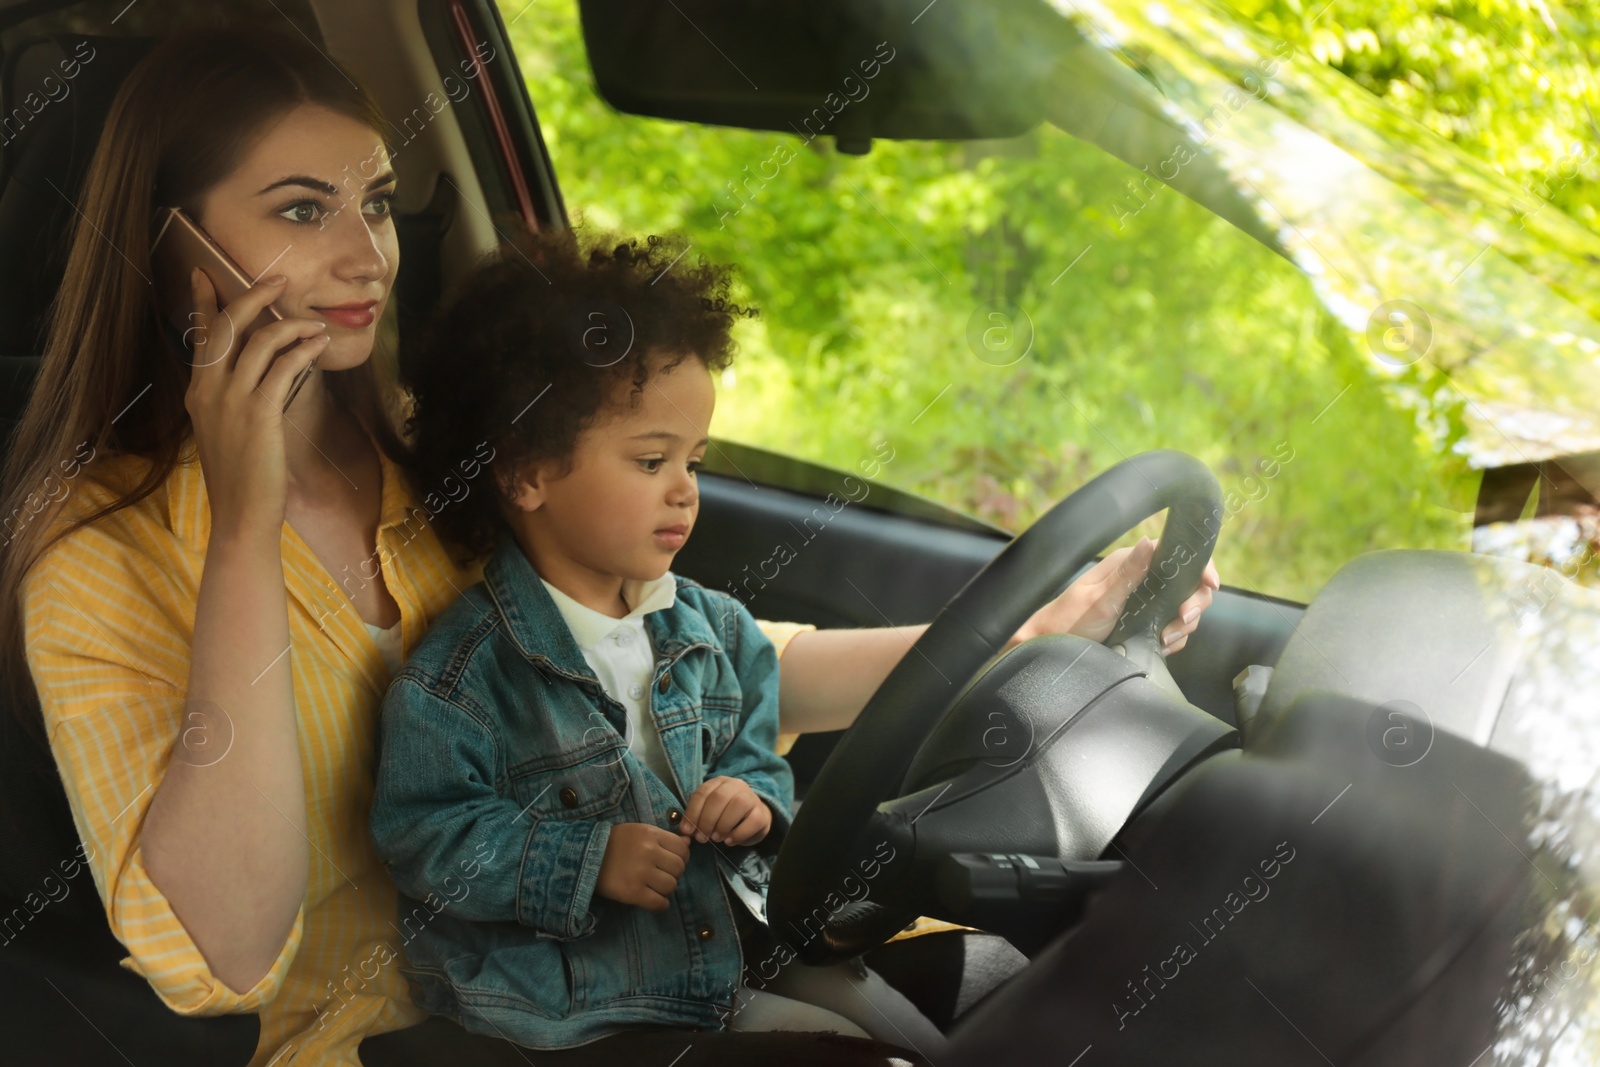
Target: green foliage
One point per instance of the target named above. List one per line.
(1509, 81)
(1156, 328)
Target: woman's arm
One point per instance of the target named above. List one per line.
(828, 675)
(225, 841)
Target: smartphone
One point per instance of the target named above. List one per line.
(180, 245)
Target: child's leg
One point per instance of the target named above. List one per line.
(760, 1009)
(855, 992)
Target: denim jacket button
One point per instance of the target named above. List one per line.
(674, 816)
(704, 933)
(569, 797)
(665, 683)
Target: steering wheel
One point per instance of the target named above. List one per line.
(868, 768)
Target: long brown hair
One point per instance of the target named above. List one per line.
(180, 123)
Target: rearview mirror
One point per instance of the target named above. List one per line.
(946, 70)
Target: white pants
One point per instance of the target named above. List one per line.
(848, 998)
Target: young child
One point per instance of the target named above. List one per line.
(578, 795)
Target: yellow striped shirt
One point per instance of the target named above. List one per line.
(109, 622)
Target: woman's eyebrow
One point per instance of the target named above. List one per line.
(321, 186)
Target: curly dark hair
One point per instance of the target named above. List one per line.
(532, 346)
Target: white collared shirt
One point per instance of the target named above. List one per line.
(619, 653)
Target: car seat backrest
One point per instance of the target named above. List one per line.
(48, 131)
(49, 125)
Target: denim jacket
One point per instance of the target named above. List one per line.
(502, 768)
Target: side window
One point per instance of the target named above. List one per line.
(1008, 319)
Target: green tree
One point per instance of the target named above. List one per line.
(1508, 81)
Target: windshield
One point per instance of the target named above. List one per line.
(1495, 288)
(1340, 313)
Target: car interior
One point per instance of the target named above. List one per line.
(1109, 784)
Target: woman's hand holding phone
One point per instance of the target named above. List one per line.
(237, 391)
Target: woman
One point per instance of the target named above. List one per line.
(209, 687)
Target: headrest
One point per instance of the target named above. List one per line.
(56, 91)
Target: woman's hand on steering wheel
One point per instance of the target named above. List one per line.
(1091, 605)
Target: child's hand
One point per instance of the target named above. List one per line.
(642, 865)
(726, 810)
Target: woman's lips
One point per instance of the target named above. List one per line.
(354, 318)
(672, 536)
